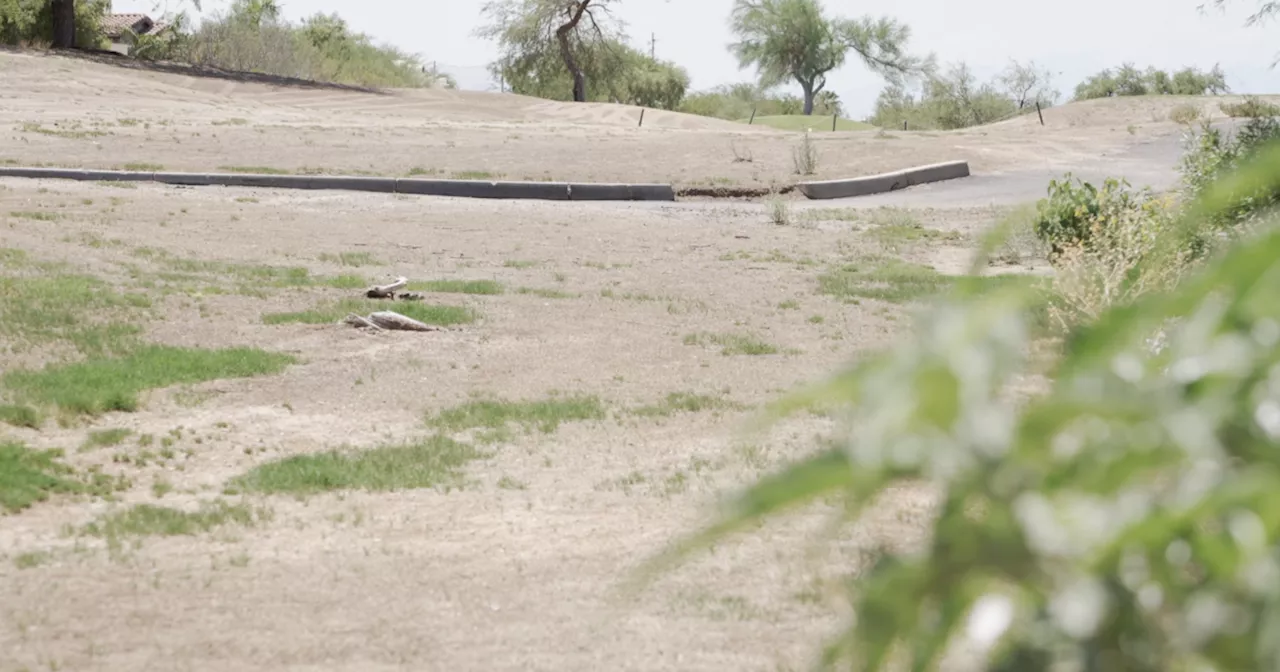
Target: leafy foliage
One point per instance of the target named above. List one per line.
(736, 102)
(789, 40)
(1251, 107)
(24, 22)
(955, 99)
(1213, 154)
(1075, 210)
(1128, 80)
(1126, 519)
(533, 35)
(252, 37)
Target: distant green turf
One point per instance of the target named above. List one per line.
(800, 122)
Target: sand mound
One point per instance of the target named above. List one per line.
(37, 77)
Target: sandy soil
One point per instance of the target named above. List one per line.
(519, 568)
(63, 111)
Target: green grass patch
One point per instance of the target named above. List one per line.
(546, 293)
(351, 259)
(332, 312)
(34, 214)
(801, 123)
(144, 520)
(884, 279)
(61, 307)
(29, 476)
(897, 281)
(255, 170)
(144, 167)
(733, 344)
(423, 464)
(31, 559)
(544, 415)
(100, 385)
(476, 175)
(520, 263)
(71, 134)
(20, 416)
(478, 287)
(686, 402)
(246, 278)
(105, 438)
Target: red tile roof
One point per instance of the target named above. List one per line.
(115, 25)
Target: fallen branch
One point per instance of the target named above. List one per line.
(395, 321)
(387, 291)
(357, 321)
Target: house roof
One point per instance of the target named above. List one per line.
(115, 25)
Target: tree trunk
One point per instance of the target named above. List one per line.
(809, 93)
(64, 24)
(566, 52)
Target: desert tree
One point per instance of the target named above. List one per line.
(789, 40)
(1028, 85)
(526, 30)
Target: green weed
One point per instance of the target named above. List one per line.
(733, 344)
(545, 415)
(423, 464)
(480, 287)
(99, 385)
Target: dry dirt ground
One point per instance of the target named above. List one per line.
(516, 567)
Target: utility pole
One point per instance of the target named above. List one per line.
(653, 46)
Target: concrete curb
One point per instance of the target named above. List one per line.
(550, 191)
(878, 184)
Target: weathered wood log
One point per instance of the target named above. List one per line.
(387, 291)
(357, 321)
(395, 321)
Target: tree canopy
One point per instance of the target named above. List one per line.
(794, 40)
(528, 31)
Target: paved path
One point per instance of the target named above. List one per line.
(1153, 163)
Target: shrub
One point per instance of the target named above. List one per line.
(1074, 210)
(1252, 107)
(804, 156)
(31, 22)
(1212, 154)
(1128, 518)
(1185, 114)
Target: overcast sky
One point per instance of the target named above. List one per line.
(1072, 39)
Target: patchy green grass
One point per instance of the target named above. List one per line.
(884, 279)
(105, 438)
(73, 133)
(20, 416)
(546, 293)
(733, 344)
(143, 167)
(686, 402)
(423, 464)
(789, 304)
(351, 259)
(520, 263)
(34, 214)
(419, 171)
(29, 476)
(333, 312)
(478, 287)
(544, 415)
(99, 385)
(834, 214)
(60, 307)
(897, 281)
(31, 559)
(255, 170)
(476, 175)
(801, 123)
(144, 520)
(246, 278)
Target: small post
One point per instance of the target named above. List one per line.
(641, 118)
(1039, 113)
(904, 124)
(753, 117)
(834, 117)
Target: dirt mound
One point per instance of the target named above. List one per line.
(30, 75)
